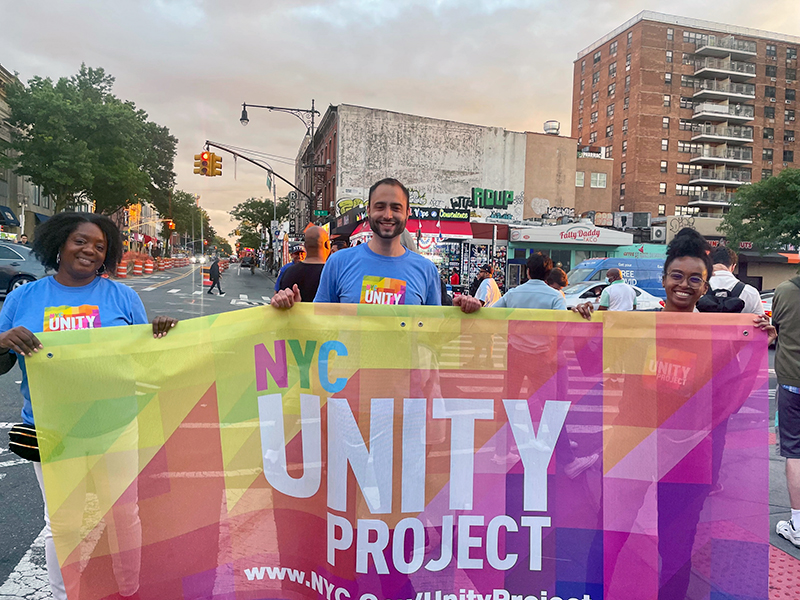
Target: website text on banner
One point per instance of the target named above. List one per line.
(380, 452)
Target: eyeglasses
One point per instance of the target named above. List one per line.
(694, 281)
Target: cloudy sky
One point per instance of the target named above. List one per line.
(191, 63)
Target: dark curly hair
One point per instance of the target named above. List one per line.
(53, 233)
(688, 242)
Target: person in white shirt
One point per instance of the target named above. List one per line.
(488, 292)
(725, 260)
(618, 295)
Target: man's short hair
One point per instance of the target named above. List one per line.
(557, 276)
(539, 265)
(722, 255)
(388, 181)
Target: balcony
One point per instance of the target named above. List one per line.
(712, 89)
(720, 177)
(711, 199)
(722, 68)
(735, 134)
(722, 155)
(733, 113)
(726, 46)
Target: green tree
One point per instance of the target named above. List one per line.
(222, 245)
(255, 214)
(249, 237)
(766, 213)
(80, 142)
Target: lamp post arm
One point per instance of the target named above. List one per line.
(301, 113)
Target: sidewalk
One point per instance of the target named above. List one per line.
(784, 558)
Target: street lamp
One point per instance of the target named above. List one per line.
(306, 116)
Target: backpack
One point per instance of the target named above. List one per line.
(722, 300)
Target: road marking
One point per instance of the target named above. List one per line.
(266, 298)
(178, 278)
(6, 425)
(29, 577)
(148, 289)
(13, 463)
(197, 293)
(175, 291)
(242, 296)
(240, 302)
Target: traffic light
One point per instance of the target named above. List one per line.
(215, 165)
(205, 242)
(171, 224)
(201, 163)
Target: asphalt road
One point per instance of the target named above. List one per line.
(178, 293)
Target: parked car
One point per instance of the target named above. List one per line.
(766, 302)
(644, 273)
(18, 266)
(578, 293)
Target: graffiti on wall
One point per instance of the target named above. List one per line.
(345, 203)
(556, 212)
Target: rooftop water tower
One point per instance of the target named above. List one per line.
(552, 127)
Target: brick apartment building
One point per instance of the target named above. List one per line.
(690, 110)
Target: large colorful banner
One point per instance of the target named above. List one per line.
(385, 453)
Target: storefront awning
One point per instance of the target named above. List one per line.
(447, 229)
(7, 217)
(792, 258)
(41, 218)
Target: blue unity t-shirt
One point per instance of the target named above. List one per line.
(46, 305)
(359, 276)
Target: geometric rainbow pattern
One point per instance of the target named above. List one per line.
(504, 455)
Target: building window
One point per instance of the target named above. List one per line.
(595, 78)
(609, 151)
(663, 166)
(685, 125)
(580, 123)
(769, 133)
(769, 112)
(791, 74)
(610, 110)
(583, 85)
(626, 103)
(687, 81)
(791, 53)
(623, 168)
(670, 34)
(689, 147)
(769, 91)
(788, 135)
(624, 126)
(772, 71)
(593, 118)
(621, 207)
(612, 69)
(662, 210)
(579, 178)
(612, 48)
(687, 59)
(788, 116)
(662, 188)
(628, 62)
(766, 174)
(593, 137)
(667, 100)
(627, 83)
(580, 104)
(621, 193)
(630, 37)
(596, 58)
(669, 56)
(698, 39)
(686, 102)
(766, 154)
(598, 180)
(687, 190)
(595, 97)
(668, 78)
(790, 94)
(684, 211)
(612, 88)
(624, 147)
(610, 131)
(772, 50)
(665, 145)
(665, 122)
(583, 67)
(788, 156)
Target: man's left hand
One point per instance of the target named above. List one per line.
(468, 304)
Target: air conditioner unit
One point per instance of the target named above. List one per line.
(773, 79)
(788, 101)
(772, 99)
(658, 234)
(791, 118)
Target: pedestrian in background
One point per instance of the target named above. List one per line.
(725, 287)
(557, 279)
(214, 275)
(535, 293)
(488, 291)
(298, 253)
(306, 273)
(617, 295)
(455, 278)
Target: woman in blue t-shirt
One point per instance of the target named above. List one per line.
(80, 247)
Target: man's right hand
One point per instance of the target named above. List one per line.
(286, 298)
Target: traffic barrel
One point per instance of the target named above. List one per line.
(122, 270)
(207, 276)
(160, 264)
(137, 267)
(148, 267)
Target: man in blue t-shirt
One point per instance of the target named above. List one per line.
(381, 271)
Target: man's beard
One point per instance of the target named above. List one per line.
(399, 226)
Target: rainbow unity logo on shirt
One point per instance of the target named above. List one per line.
(382, 290)
(66, 318)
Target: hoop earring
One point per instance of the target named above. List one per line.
(58, 260)
(102, 269)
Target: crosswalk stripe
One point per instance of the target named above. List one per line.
(13, 463)
(266, 298)
(175, 291)
(148, 289)
(242, 296)
(197, 292)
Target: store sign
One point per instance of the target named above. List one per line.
(573, 233)
(483, 198)
(442, 214)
